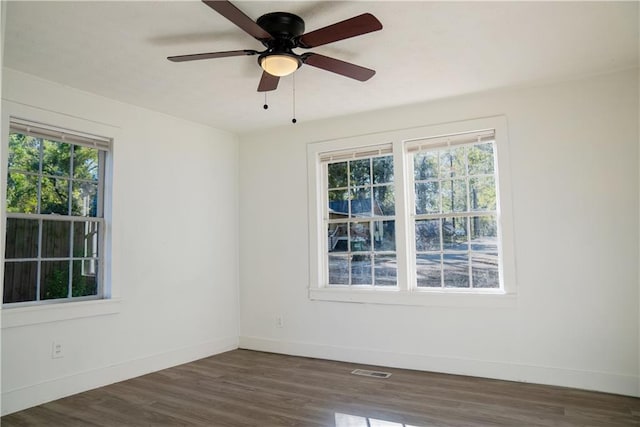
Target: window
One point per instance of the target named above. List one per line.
(54, 247)
(360, 220)
(455, 211)
(405, 216)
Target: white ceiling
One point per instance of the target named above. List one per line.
(426, 51)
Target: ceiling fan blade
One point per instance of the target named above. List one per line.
(356, 26)
(196, 56)
(236, 16)
(268, 82)
(346, 69)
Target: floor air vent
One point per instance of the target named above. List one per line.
(373, 374)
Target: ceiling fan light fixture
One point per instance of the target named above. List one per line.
(279, 65)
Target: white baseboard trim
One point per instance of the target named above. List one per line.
(37, 394)
(587, 380)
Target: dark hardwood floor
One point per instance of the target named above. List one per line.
(247, 388)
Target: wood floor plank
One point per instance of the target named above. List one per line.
(247, 388)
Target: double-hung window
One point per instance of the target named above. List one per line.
(402, 216)
(455, 212)
(54, 247)
(360, 218)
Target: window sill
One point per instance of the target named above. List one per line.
(46, 313)
(418, 298)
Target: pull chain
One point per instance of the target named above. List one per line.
(265, 106)
(294, 99)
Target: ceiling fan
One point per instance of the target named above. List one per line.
(280, 33)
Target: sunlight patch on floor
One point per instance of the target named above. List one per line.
(346, 420)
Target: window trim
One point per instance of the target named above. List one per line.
(19, 315)
(406, 293)
(51, 311)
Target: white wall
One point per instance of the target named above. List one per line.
(574, 158)
(174, 254)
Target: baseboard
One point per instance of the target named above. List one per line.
(587, 380)
(37, 394)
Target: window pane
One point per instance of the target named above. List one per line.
(22, 238)
(383, 170)
(85, 163)
(484, 268)
(56, 236)
(427, 198)
(85, 199)
(22, 193)
(360, 236)
(54, 196)
(456, 270)
(338, 203)
(20, 281)
(482, 193)
(428, 235)
(361, 269)
(361, 202)
(481, 159)
(360, 172)
(425, 165)
(384, 203)
(484, 234)
(454, 195)
(24, 153)
(454, 234)
(85, 239)
(384, 235)
(338, 237)
(84, 278)
(386, 270)
(56, 158)
(337, 175)
(452, 162)
(338, 270)
(428, 271)
(54, 281)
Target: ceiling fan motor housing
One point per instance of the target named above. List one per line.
(285, 28)
(282, 24)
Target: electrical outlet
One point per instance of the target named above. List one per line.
(57, 350)
(279, 322)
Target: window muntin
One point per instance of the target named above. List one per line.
(359, 220)
(54, 210)
(455, 214)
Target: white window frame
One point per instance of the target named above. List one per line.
(407, 293)
(17, 315)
